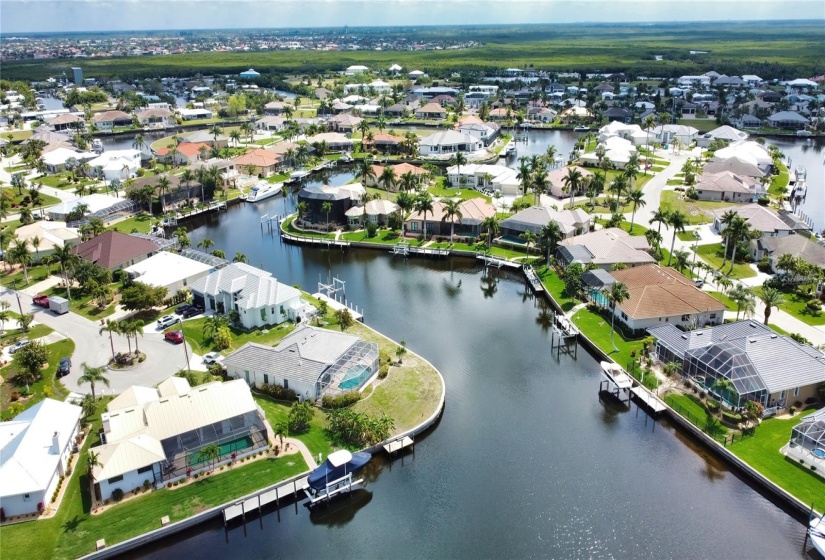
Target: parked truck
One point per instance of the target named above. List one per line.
(59, 305)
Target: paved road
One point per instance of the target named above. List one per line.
(93, 348)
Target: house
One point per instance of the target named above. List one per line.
(798, 246)
(571, 222)
(372, 88)
(177, 190)
(334, 141)
(376, 211)
(747, 151)
(444, 100)
(448, 142)
(618, 151)
(56, 157)
(434, 91)
(229, 174)
(667, 133)
(747, 121)
(355, 69)
(259, 299)
(606, 248)
(52, 235)
(487, 132)
(108, 120)
(48, 136)
(344, 123)
(168, 270)
(763, 366)
(473, 213)
(116, 164)
(95, 203)
(249, 74)
(724, 133)
(431, 111)
(185, 153)
(788, 120)
(556, 178)
(311, 361)
(156, 118)
(271, 123)
(153, 436)
(727, 186)
(195, 114)
(340, 199)
(35, 448)
(631, 132)
(66, 121)
(385, 143)
(399, 170)
(736, 165)
(619, 114)
(661, 294)
(485, 176)
(258, 161)
(759, 218)
(114, 250)
(576, 114)
(206, 137)
(541, 114)
(275, 108)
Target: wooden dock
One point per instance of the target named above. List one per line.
(397, 445)
(533, 279)
(256, 502)
(498, 263)
(648, 400)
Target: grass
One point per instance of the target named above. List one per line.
(688, 236)
(36, 331)
(385, 236)
(779, 182)
(46, 384)
(45, 199)
(315, 438)
(18, 280)
(555, 286)
(762, 452)
(464, 193)
(796, 305)
(697, 211)
(712, 254)
(193, 331)
(729, 303)
(597, 329)
(702, 125)
(687, 407)
(141, 223)
(81, 303)
(625, 225)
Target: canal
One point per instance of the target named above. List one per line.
(526, 461)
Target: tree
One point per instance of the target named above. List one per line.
(491, 226)
(738, 230)
(423, 205)
(140, 296)
(682, 260)
(401, 350)
(111, 327)
(186, 179)
(636, 198)
(239, 257)
(212, 324)
(458, 160)
(676, 220)
(549, 238)
(344, 318)
(29, 360)
(617, 185)
(182, 237)
(724, 387)
(452, 212)
(215, 131)
(139, 142)
(617, 294)
(365, 171)
(525, 175)
(93, 376)
(573, 182)
(771, 297)
(326, 208)
(25, 321)
(727, 219)
(388, 178)
(235, 136)
(89, 406)
(300, 416)
(743, 298)
(18, 253)
(206, 244)
(223, 338)
(661, 217)
(209, 453)
(406, 203)
(92, 461)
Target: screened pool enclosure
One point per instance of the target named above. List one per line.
(351, 370)
(727, 360)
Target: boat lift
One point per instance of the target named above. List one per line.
(333, 488)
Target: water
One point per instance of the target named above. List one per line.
(539, 140)
(526, 461)
(809, 153)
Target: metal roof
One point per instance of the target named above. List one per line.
(205, 258)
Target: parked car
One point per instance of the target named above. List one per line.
(166, 321)
(18, 345)
(64, 367)
(176, 337)
(182, 307)
(699, 282)
(191, 312)
(212, 358)
(41, 299)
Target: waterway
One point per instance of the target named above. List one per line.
(526, 461)
(809, 153)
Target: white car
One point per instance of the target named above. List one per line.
(18, 345)
(166, 321)
(212, 358)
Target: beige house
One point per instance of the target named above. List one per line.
(51, 235)
(556, 178)
(606, 248)
(727, 186)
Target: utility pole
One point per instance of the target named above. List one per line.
(185, 351)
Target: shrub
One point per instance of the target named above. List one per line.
(383, 371)
(117, 494)
(146, 485)
(813, 305)
(731, 417)
(169, 485)
(341, 401)
(763, 201)
(15, 396)
(372, 229)
(278, 392)
(712, 405)
(792, 410)
(40, 507)
(702, 394)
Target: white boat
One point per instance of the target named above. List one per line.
(581, 129)
(97, 146)
(262, 190)
(616, 375)
(804, 133)
(816, 534)
(298, 174)
(511, 148)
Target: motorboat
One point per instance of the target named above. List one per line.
(262, 190)
(816, 534)
(511, 148)
(339, 465)
(97, 146)
(346, 158)
(616, 375)
(581, 129)
(298, 174)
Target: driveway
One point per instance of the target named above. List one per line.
(162, 358)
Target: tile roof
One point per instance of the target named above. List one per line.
(112, 248)
(612, 245)
(734, 165)
(657, 291)
(188, 149)
(726, 182)
(758, 217)
(796, 245)
(257, 288)
(259, 157)
(107, 116)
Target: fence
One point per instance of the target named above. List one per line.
(711, 429)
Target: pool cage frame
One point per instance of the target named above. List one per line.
(810, 433)
(179, 448)
(361, 354)
(729, 361)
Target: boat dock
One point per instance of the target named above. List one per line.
(214, 206)
(648, 400)
(398, 445)
(335, 305)
(319, 241)
(533, 279)
(498, 263)
(404, 249)
(269, 496)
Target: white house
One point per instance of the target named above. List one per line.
(724, 133)
(760, 219)
(667, 133)
(479, 176)
(51, 235)
(746, 151)
(116, 164)
(55, 160)
(259, 299)
(34, 452)
(95, 203)
(485, 131)
(617, 150)
(449, 142)
(355, 69)
(169, 270)
(195, 114)
(154, 435)
(378, 86)
(311, 361)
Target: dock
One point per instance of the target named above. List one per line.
(332, 489)
(498, 263)
(404, 249)
(256, 502)
(533, 279)
(647, 399)
(397, 445)
(335, 305)
(318, 241)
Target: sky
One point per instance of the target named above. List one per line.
(20, 16)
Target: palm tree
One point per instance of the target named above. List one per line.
(408, 182)
(631, 169)
(529, 239)
(4, 315)
(206, 244)
(92, 461)
(771, 297)
(424, 204)
(139, 142)
(549, 237)
(740, 229)
(186, 178)
(458, 160)
(616, 295)
(388, 178)
(326, 208)
(727, 219)
(617, 185)
(363, 128)
(19, 253)
(572, 182)
(162, 186)
(35, 241)
(539, 184)
(661, 217)
(111, 327)
(550, 155)
(93, 376)
(452, 211)
(213, 324)
(637, 199)
(365, 171)
(743, 298)
(723, 387)
(724, 283)
(65, 257)
(215, 131)
(648, 125)
(406, 203)
(524, 175)
(682, 260)
(491, 225)
(239, 258)
(209, 453)
(235, 136)
(677, 220)
(302, 209)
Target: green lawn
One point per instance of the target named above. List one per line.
(37, 331)
(795, 305)
(45, 199)
(697, 211)
(315, 438)
(597, 329)
(555, 286)
(464, 193)
(779, 182)
(18, 280)
(687, 407)
(81, 303)
(46, 384)
(762, 452)
(702, 125)
(142, 223)
(688, 236)
(601, 205)
(729, 303)
(625, 225)
(384, 236)
(712, 254)
(193, 331)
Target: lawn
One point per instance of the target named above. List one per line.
(464, 193)
(597, 329)
(601, 206)
(688, 236)
(384, 236)
(36, 331)
(762, 452)
(193, 331)
(779, 182)
(555, 286)
(45, 199)
(81, 303)
(796, 305)
(625, 225)
(702, 125)
(712, 254)
(17, 280)
(687, 407)
(46, 384)
(315, 438)
(729, 303)
(697, 211)
(141, 223)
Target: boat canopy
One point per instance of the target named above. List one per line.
(339, 458)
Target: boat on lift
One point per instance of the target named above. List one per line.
(511, 148)
(335, 475)
(262, 190)
(816, 534)
(298, 174)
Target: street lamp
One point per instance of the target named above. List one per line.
(19, 305)
(185, 351)
(695, 247)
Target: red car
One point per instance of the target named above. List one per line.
(175, 337)
(41, 299)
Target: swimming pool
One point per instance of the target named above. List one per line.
(354, 377)
(819, 453)
(244, 442)
(599, 297)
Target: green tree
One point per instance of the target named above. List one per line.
(770, 297)
(573, 182)
(89, 406)
(452, 212)
(182, 237)
(491, 226)
(727, 219)
(637, 199)
(206, 244)
(326, 208)
(111, 327)
(365, 171)
(344, 318)
(458, 160)
(29, 360)
(25, 321)
(401, 350)
(617, 295)
(676, 220)
(222, 339)
(743, 298)
(93, 376)
(209, 454)
(424, 204)
(140, 296)
(300, 416)
(239, 257)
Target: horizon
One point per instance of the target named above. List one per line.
(111, 16)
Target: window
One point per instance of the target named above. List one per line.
(796, 391)
(713, 315)
(145, 469)
(624, 315)
(263, 313)
(26, 497)
(414, 226)
(115, 479)
(266, 379)
(685, 317)
(782, 394)
(286, 383)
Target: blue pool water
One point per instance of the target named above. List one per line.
(354, 377)
(819, 453)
